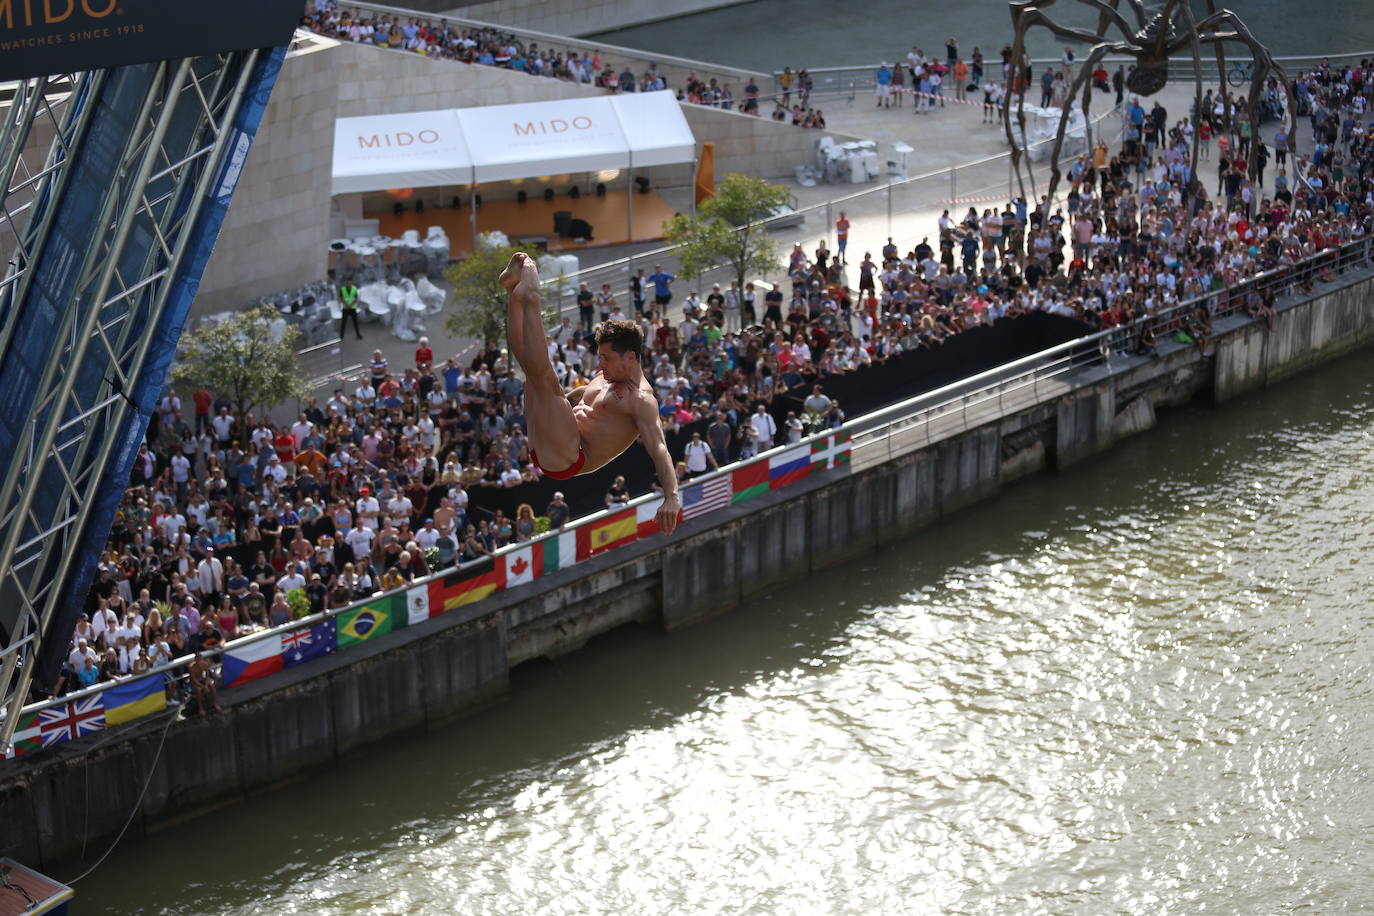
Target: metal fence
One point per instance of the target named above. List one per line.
(901, 428)
(980, 182)
(849, 81)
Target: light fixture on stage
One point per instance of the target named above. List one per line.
(457, 202)
(520, 197)
(642, 182)
(601, 189)
(574, 193)
(548, 195)
(419, 205)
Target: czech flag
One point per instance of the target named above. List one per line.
(253, 660)
(789, 467)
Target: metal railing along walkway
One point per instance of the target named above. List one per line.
(893, 431)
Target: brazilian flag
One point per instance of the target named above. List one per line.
(359, 624)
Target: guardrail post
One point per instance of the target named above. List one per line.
(953, 194)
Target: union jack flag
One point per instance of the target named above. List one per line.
(72, 720)
(295, 639)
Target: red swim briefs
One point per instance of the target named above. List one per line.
(565, 474)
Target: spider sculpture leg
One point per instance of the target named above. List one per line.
(1207, 30)
(1027, 13)
(1084, 73)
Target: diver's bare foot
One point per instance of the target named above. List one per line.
(521, 278)
(511, 275)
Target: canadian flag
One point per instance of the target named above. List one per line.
(523, 565)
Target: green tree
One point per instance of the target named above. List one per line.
(479, 301)
(726, 229)
(240, 360)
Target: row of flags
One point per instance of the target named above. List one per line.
(130, 700)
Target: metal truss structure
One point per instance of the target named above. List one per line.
(105, 175)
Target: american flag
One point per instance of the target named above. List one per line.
(706, 497)
(71, 720)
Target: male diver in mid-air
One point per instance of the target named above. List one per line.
(577, 433)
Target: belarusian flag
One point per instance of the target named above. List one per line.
(559, 552)
(750, 480)
(28, 736)
(832, 451)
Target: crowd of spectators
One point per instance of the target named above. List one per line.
(444, 40)
(233, 523)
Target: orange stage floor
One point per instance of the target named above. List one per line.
(534, 219)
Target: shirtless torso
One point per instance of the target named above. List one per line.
(579, 433)
(605, 415)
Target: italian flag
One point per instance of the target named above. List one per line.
(560, 552)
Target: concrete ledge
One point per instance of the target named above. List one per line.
(286, 725)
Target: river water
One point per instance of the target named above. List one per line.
(1139, 687)
(770, 34)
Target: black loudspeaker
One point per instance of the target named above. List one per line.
(562, 222)
(548, 195)
(419, 206)
(457, 202)
(580, 229)
(519, 197)
(398, 208)
(601, 189)
(642, 182)
(477, 201)
(574, 193)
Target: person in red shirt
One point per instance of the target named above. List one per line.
(285, 444)
(202, 400)
(424, 356)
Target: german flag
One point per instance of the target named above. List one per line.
(463, 586)
(612, 531)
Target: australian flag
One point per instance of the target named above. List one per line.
(302, 645)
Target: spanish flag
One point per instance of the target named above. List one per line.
(463, 586)
(612, 531)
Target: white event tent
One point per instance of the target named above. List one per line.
(469, 146)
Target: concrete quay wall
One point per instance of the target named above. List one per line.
(284, 726)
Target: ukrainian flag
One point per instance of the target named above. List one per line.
(363, 623)
(134, 700)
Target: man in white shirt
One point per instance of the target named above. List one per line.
(223, 425)
(399, 508)
(360, 539)
(300, 429)
(368, 509)
(765, 428)
(698, 456)
(209, 577)
(104, 624)
(292, 579)
(428, 535)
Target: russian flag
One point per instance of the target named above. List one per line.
(249, 662)
(789, 467)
